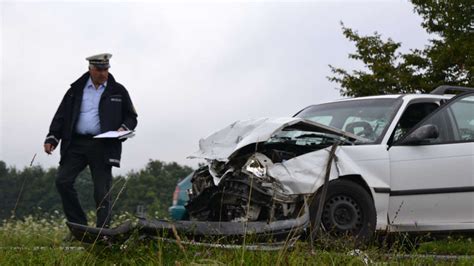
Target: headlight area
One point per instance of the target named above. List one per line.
(256, 166)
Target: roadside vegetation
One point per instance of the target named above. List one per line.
(32, 190)
(446, 59)
(33, 230)
(40, 240)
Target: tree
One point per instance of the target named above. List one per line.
(32, 191)
(448, 59)
(151, 187)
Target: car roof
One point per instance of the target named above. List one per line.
(405, 97)
(395, 96)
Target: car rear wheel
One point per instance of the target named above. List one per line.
(348, 210)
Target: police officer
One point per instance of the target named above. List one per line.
(94, 104)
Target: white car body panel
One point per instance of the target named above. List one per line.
(432, 167)
(303, 174)
(383, 168)
(222, 144)
(371, 162)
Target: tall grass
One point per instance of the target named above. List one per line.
(38, 240)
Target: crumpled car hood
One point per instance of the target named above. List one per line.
(222, 144)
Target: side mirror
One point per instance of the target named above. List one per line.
(422, 135)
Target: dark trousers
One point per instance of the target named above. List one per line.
(82, 152)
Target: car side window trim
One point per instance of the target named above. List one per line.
(440, 109)
(412, 102)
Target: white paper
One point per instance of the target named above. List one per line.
(115, 135)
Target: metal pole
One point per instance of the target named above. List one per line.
(322, 199)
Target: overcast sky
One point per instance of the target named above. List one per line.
(190, 68)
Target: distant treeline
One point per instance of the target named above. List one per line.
(32, 190)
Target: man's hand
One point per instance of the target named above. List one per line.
(121, 129)
(49, 148)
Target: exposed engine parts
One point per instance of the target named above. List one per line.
(242, 190)
(246, 194)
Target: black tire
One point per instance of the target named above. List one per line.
(348, 210)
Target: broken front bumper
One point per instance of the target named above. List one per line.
(211, 232)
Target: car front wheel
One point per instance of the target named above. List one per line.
(348, 210)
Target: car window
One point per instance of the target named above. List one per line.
(367, 118)
(463, 116)
(455, 121)
(323, 119)
(412, 115)
(359, 126)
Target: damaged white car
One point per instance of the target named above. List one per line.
(399, 163)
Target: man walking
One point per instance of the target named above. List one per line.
(94, 104)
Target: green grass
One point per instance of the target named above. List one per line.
(39, 241)
(459, 245)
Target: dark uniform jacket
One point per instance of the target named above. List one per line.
(115, 110)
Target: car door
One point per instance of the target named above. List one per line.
(432, 180)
